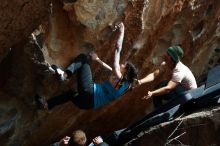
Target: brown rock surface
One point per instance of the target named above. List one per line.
(18, 19)
(198, 129)
(150, 27)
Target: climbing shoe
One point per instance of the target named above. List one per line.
(59, 72)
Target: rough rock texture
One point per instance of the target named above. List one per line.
(20, 73)
(18, 19)
(197, 129)
(150, 27)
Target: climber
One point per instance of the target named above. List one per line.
(181, 79)
(90, 94)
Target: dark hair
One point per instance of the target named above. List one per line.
(131, 73)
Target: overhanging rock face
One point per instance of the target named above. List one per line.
(150, 27)
(19, 19)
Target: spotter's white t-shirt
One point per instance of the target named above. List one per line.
(183, 75)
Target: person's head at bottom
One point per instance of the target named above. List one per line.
(79, 138)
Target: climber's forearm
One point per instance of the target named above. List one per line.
(118, 48)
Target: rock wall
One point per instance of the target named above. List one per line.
(18, 20)
(150, 27)
(196, 129)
